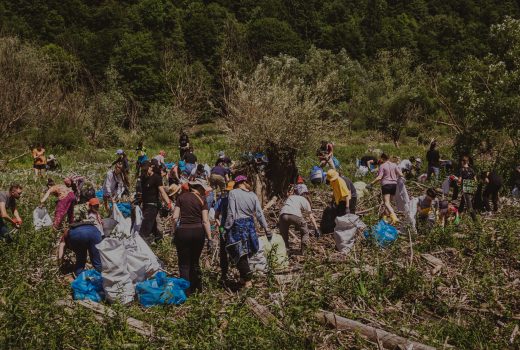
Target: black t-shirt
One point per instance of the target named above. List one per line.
(183, 141)
(150, 188)
(190, 158)
(351, 187)
(495, 179)
(191, 207)
(365, 159)
(9, 201)
(434, 158)
(467, 173)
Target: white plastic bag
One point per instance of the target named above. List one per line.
(345, 232)
(361, 189)
(258, 262)
(124, 225)
(41, 218)
(361, 171)
(117, 282)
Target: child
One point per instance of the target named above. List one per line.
(427, 206)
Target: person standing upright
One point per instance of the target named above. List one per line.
(151, 189)
(433, 158)
(39, 160)
(388, 174)
(184, 144)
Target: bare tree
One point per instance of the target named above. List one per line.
(273, 110)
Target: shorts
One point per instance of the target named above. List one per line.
(389, 189)
(40, 166)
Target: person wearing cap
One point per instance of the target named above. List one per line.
(223, 160)
(241, 237)
(152, 191)
(184, 144)
(114, 185)
(65, 203)
(388, 174)
(191, 211)
(8, 202)
(93, 213)
(82, 238)
(340, 192)
(291, 215)
(122, 159)
(221, 210)
(52, 163)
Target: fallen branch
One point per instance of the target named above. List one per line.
(138, 326)
(15, 158)
(388, 340)
(262, 312)
(270, 203)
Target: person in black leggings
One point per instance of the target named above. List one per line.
(191, 211)
(493, 182)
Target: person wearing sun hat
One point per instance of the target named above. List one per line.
(93, 213)
(340, 192)
(241, 237)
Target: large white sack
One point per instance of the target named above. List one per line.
(402, 200)
(362, 171)
(117, 282)
(361, 189)
(137, 247)
(281, 259)
(41, 218)
(124, 225)
(345, 231)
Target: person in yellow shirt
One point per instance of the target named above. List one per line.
(340, 192)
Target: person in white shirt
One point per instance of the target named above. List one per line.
(291, 215)
(114, 185)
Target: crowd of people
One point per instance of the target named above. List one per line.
(195, 195)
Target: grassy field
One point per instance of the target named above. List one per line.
(472, 302)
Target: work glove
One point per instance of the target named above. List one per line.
(317, 233)
(269, 235)
(370, 186)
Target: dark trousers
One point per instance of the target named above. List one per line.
(491, 191)
(352, 205)
(288, 220)
(149, 225)
(467, 201)
(242, 265)
(82, 241)
(190, 243)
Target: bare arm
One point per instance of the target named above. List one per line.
(164, 196)
(46, 196)
(377, 179)
(313, 220)
(4, 215)
(205, 222)
(176, 214)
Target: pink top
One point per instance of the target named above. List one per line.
(389, 173)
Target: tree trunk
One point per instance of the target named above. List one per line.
(281, 171)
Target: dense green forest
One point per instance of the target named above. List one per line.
(105, 67)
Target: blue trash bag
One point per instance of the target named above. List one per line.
(88, 285)
(316, 175)
(383, 233)
(162, 290)
(182, 165)
(125, 208)
(169, 166)
(99, 194)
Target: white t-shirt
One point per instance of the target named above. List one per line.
(295, 204)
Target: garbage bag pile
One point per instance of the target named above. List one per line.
(162, 290)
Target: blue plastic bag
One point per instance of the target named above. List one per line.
(88, 285)
(383, 233)
(169, 166)
(162, 290)
(99, 195)
(125, 208)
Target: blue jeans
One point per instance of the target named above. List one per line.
(433, 170)
(82, 240)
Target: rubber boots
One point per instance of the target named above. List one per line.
(394, 219)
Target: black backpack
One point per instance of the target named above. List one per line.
(328, 220)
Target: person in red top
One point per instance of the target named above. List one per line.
(65, 204)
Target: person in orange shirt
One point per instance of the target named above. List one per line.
(65, 204)
(39, 160)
